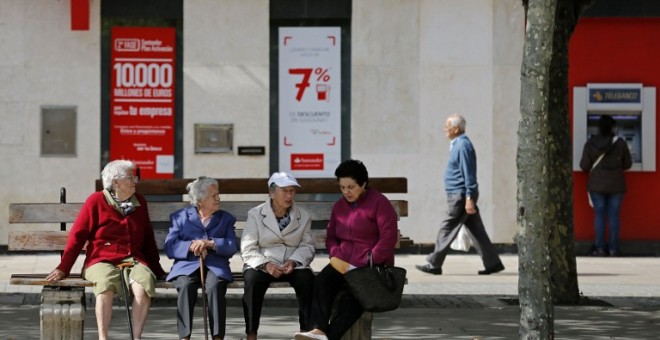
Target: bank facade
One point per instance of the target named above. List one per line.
(213, 101)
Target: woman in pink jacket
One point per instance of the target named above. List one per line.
(363, 221)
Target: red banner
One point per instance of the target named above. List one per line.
(142, 98)
(307, 161)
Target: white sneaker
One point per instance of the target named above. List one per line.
(309, 336)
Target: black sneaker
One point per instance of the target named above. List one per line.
(428, 268)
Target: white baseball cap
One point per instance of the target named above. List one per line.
(283, 179)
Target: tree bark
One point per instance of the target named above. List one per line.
(562, 243)
(536, 208)
(564, 280)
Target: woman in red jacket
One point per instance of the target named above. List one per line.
(115, 225)
(363, 221)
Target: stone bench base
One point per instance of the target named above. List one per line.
(62, 313)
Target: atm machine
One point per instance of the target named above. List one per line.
(633, 108)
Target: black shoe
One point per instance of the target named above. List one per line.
(492, 270)
(427, 268)
(599, 253)
(615, 253)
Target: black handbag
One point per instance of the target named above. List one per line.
(377, 288)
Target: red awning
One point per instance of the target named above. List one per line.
(79, 15)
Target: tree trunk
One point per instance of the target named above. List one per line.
(562, 243)
(563, 269)
(536, 209)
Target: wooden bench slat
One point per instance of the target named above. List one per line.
(37, 240)
(43, 212)
(75, 280)
(48, 240)
(160, 211)
(177, 186)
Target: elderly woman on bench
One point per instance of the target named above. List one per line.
(201, 230)
(363, 222)
(115, 225)
(277, 245)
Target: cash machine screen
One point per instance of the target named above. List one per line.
(629, 127)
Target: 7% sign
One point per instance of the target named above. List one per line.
(322, 79)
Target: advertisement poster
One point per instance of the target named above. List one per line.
(309, 100)
(142, 98)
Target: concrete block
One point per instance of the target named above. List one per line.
(62, 313)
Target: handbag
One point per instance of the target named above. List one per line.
(614, 139)
(378, 288)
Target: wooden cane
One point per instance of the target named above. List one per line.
(201, 274)
(124, 289)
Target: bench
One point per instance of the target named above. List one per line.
(63, 303)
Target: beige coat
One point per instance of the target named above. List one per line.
(263, 242)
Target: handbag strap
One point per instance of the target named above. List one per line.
(370, 259)
(614, 139)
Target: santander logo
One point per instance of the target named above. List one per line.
(307, 161)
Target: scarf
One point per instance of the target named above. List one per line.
(284, 221)
(125, 207)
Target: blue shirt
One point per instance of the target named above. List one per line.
(461, 172)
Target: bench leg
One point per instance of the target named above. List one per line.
(361, 329)
(62, 313)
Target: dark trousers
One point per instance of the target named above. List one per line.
(256, 284)
(457, 216)
(328, 285)
(216, 289)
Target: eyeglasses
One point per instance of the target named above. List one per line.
(129, 177)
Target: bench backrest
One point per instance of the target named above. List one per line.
(177, 186)
(159, 212)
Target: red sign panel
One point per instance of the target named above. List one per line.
(307, 161)
(142, 98)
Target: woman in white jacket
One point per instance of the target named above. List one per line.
(277, 245)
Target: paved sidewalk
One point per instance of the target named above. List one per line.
(597, 276)
(456, 305)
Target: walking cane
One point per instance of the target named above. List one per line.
(124, 289)
(201, 274)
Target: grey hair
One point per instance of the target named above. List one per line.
(199, 188)
(272, 187)
(457, 120)
(114, 169)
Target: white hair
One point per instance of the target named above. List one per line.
(114, 169)
(457, 120)
(199, 188)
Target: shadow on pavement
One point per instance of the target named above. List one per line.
(22, 322)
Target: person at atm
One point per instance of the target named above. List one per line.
(605, 157)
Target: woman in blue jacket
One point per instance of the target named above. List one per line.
(201, 230)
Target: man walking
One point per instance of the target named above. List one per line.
(462, 195)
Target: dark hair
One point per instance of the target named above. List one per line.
(606, 125)
(354, 169)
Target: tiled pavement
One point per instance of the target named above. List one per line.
(624, 294)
